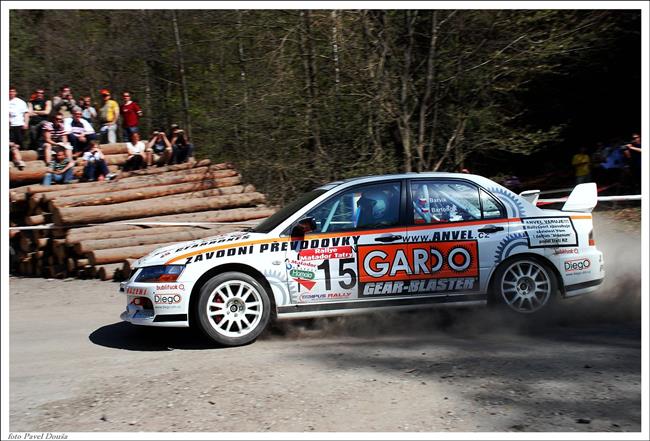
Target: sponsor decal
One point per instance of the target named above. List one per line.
(315, 297)
(577, 266)
(217, 240)
(550, 232)
(290, 263)
(209, 255)
(136, 291)
(167, 299)
(390, 269)
(560, 251)
(419, 286)
(308, 284)
(442, 236)
(170, 287)
(302, 274)
(326, 253)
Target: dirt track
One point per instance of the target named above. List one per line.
(75, 367)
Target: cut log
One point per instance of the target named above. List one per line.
(127, 267)
(239, 215)
(114, 149)
(86, 246)
(168, 168)
(37, 174)
(38, 219)
(29, 155)
(105, 198)
(114, 255)
(109, 272)
(200, 174)
(133, 230)
(152, 207)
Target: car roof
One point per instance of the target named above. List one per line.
(411, 175)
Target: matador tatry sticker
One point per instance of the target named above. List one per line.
(426, 260)
(326, 253)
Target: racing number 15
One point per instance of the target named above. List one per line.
(325, 266)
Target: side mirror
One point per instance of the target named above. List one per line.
(304, 225)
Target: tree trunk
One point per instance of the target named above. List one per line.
(181, 71)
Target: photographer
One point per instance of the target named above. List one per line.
(95, 167)
(64, 103)
(159, 149)
(181, 148)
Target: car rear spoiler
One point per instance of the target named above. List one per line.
(584, 197)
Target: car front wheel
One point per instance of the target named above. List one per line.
(525, 285)
(233, 309)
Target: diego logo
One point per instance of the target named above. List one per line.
(577, 265)
(170, 299)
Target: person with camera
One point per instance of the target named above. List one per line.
(159, 149)
(95, 167)
(131, 113)
(109, 115)
(64, 102)
(181, 148)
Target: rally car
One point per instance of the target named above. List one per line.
(374, 243)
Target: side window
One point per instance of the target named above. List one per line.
(371, 206)
(444, 201)
(491, 208)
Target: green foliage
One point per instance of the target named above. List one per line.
(298, 98)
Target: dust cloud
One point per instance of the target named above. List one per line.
(617, 300)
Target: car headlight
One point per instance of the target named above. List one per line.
(160, 273)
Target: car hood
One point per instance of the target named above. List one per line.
(164, 254)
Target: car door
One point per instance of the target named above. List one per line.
(327, 264)
(456, 226)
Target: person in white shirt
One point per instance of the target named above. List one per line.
(80, 132)
(136, 149)
(18, 122)
(94, 165)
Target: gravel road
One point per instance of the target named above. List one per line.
(75, 367)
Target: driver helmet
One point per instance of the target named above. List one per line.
(373, 205)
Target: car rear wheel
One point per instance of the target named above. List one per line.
(525, 285)
(233, 309)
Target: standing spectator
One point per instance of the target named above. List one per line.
(64, 103)
(18, 118)
(632, 153)
(181, 147)
(39, 110)
(80, 132)
(54, 135)
(581, 163)
(136, 148)
(60, 169)
(131, 113)
(95, 167)
(159, 149)
(109, 115)
(88, 112)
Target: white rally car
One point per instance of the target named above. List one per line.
(373, 243)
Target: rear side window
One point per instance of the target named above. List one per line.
(492, 209)
(444, 201)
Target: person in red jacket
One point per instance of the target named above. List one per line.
(131, 113)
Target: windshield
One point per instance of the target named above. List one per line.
(280, 216)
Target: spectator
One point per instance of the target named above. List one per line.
(64, 103)
(18, 118)
(109, 115)
(159, 149)
(80, 132)
(54, 135)
(181, 147)
(632, 153)
(16, 157)
(95, 167)
(39, 110)
(88, 112)
(136, 148)
(61, 169)
(131, 114)
(581, 163)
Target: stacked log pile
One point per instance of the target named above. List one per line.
(97, 229)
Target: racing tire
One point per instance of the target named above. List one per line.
(233, 309)
(525, 286)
